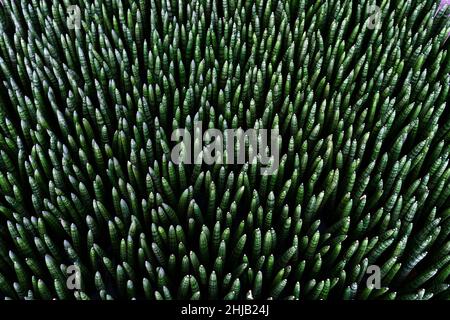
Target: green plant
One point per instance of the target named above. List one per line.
(85, 172)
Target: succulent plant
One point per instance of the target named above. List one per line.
(87, 180)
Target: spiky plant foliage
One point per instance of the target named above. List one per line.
(86, 178)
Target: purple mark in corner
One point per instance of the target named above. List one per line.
(442, 5)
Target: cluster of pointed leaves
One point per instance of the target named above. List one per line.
(86, 178)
